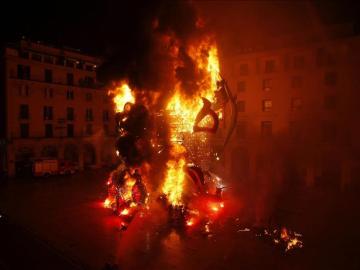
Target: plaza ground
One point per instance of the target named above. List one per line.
(60, 222)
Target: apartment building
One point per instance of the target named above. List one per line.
(298, 104)
(52, 106)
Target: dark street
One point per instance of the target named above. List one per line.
(65, 219)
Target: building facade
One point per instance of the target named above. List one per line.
(53, 107)
(298, 104)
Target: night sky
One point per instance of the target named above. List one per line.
(120, 31)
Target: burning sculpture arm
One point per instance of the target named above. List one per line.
(233, 108)
(206, 111)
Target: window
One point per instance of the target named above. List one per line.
(70, 130)
(88, 96)
(240, 105)
(70, 115)
(106, 129)
(89, 130)
(70, 79)
(60, 61)
(88, 81)
(325, 57)
(266, 129)
(48, 92)
(48, 130)
(241, 129)
(330, 102)
(244, 69)
(330, 78)
(299, 62)
(48, 113)
(48, 59)
(294, 131)
(329, 132)
(241, 86)
(36, 57)
(24, 130)
(296, 82)
(89, 115)
(296, 104)
(48, 75)
(70, 63)
(106, 116)
(69, 94)
(24, 54)
(267, 84)
(24, 90)
(320, 57)
(267, 105)
(23, 72)
(80, 65)
(269, 65)
(24, 111)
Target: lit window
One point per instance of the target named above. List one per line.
(267, 105)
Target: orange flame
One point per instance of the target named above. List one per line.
(183, 110)
(122, 95)
(174, 181)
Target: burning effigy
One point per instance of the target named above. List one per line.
(166, 135)
(189, 191)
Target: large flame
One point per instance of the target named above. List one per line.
(174, 181)
(122, 95)
(182, 112)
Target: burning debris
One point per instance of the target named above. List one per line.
(284, 238)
